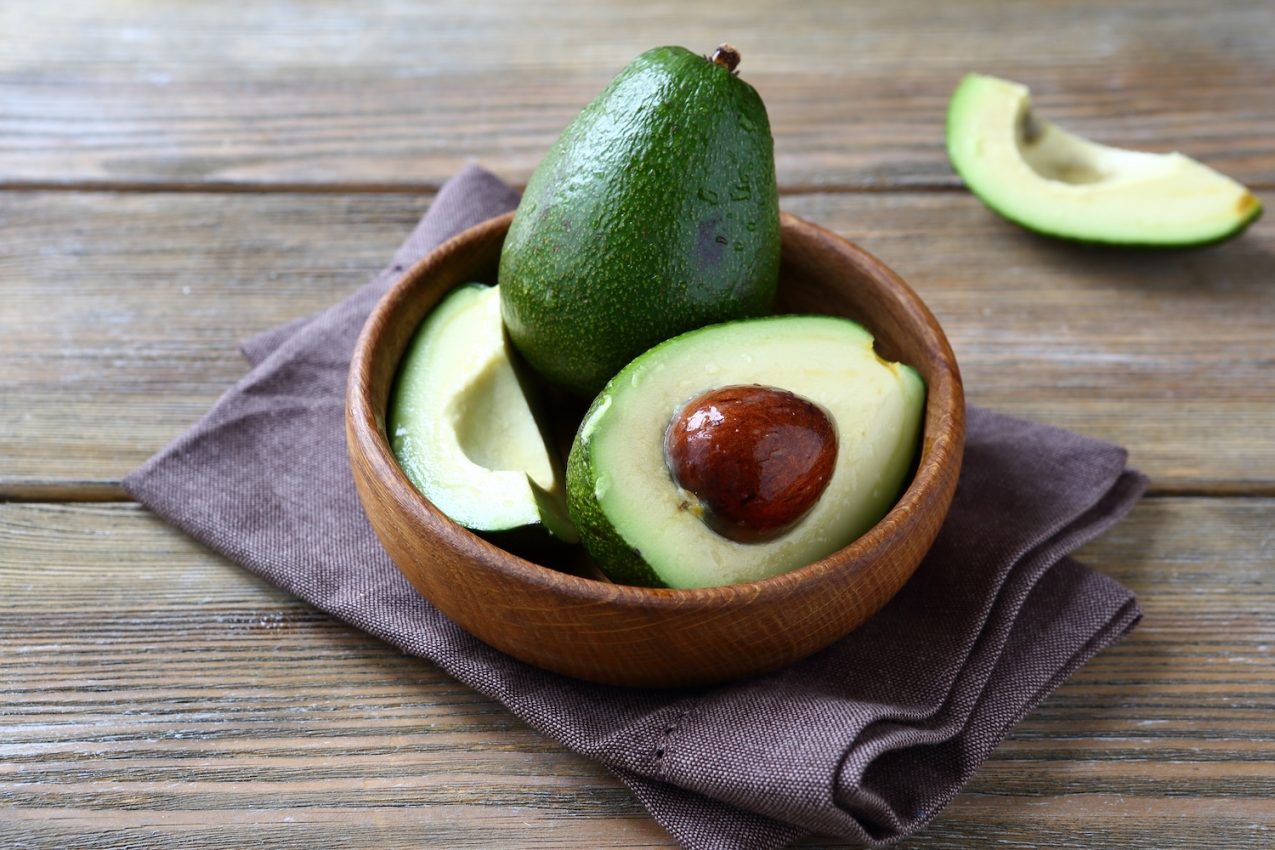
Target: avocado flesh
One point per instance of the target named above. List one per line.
(1039, 176)
(633, 518)
(462, 426)
(656, 211)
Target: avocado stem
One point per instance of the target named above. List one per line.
(726, 56)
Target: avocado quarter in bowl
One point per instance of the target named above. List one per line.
(639, 636)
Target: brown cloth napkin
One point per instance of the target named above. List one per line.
(868, 740)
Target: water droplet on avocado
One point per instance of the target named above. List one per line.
(707, 195)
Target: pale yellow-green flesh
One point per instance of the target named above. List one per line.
(1045, 178)
(460, 424)
(876, 407)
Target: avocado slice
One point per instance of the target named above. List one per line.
(463, 427)
(656, 211)
(1039, 176)
(641, 527)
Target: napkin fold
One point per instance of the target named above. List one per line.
(867, 740)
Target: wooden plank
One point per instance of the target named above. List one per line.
(158, 695)
(123, 312)
(382, 93)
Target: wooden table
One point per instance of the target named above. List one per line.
(175, 177)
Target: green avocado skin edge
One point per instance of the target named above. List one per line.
(624, 564)
(656, 211)
(954, 108)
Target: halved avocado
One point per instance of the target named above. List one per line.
(463, 428)
(1039, 176)
(641, 527)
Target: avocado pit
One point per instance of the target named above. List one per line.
(757, 458)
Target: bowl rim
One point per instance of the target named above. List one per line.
(939, 451)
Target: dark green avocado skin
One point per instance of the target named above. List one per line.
(655, 212)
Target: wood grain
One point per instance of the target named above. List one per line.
(384, 94)
(182, 702)
(123, 312)
(155, 696)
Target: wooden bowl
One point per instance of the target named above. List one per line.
(659, 637)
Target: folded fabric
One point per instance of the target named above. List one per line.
(868, 739)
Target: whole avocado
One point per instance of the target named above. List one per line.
(655, 212)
